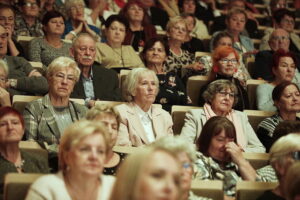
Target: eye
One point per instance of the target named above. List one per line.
(84, 149)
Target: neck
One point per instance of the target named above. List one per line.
(29, 20)
(81, 182)
(57, 101)
(114, 45)
(175, 44)
(85, 71)
(185, 195)
(11, 151)
(157, 68)
(144, 107)
(235, 35)
(287, 115)
(136, 26)
(53, 40)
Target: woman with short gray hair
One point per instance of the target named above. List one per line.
(141, 121)
(220, 97)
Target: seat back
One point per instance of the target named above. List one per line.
(194, 84)
(126, 149)
(34, 148)
(208, 188)
(256, 116)
(251, 90)
(17, 185)
(248, 190)
(257, 160)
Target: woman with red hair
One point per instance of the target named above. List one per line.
(140, 30)
(284, 69)
(12, 158)
(225, 64)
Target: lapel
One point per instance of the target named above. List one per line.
(97, 80)
(137, 125)
(156, 119)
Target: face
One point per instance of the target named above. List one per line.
(11, 129)
(236, 22)
(3, 77)
(190, 23)
(189, 6)
(187, 171)
(156, 54)
(279, 40)
(159, 181)
(146, 90)
(116, 32)
(111, 124)
(217, 148)
(228, 65)
(62, 82)
(135, 13)
(285, 70)
(3, 42)
(178, 32)
(84, 51)
(87, 158)
(222, 102)
(7, 19)
(287, 23)
(55, 26)
(31, 8)
(280, 4)
(290, 100)
(77, 12)
(224, 41)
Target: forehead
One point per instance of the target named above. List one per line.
(65, 70)
(158, 160)
(225, 39)
(106, 117)
(85, 41)
(6, 12)
(286, 60)
(146, 76)
(237, 15)
(290, 88)
(117, 23)
(134, 5)
(93, 139)
(287, 17)
(9, 116)
(280, 33)
(30, 1)
(158, 44)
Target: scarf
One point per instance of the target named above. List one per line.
(232, 116)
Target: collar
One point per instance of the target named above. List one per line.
(142, 113)
(90, 76)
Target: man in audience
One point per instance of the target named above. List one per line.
(22, 78)
(284, 19)
(279, 39)
(95, 82)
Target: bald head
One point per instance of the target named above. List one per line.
(279, 39)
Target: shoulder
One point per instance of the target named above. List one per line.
(100, 70)
(265, 86)
(159, 111)
(124, 107)
(79, 108)
(49, 181)
(196, 112)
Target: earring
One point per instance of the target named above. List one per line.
(215, 69)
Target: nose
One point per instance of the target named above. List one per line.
(9, 126)
(150, 87)
(169, 186)
(93, 153)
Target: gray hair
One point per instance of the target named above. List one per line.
(61, 63)
(4, 66)
(75, 40)
(132, 81)
(217, 86)
(70, 3)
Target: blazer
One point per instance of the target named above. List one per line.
(105, 82)
(40, 123)
(131, 130)
(195, 120)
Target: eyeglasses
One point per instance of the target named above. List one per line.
(288, 21)
(224, 94)
(61, 77)
(3, 79)
(276, 38)
(186, 165)
(28, 4)
(6, 19)
(177, 28)
(226, 61)
(76, 8)
(296, 155)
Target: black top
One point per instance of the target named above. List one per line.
(138, 40)
(243, 100)
(113, 170)
(193, 45)
(269, 195)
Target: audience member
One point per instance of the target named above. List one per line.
(220, 155)
(141, 121)
(27, 21)
(110, 118)
(51, 46)
(220, 96)
(77, 22)
(52, 5)
(145, 175)
(4, 94)
(140, 29)
(225, 65)
(95, 82)
(171, 89)
(113, 54)
(12, 158)
(170, 7)
(286, 98)
(82, 153)
(283, 68)
(207, 10)
(22, 78)
(94, 12)
(283, 153)
(292, 181)
(47, 118)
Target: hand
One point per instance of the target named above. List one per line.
(197, 66)
(91, 103)
(34, 73)
(78, 29)
(235, 152)
(4, 97)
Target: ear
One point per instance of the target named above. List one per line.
(72, 52)
(279, 168)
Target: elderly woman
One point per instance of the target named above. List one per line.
(82, 153)
(47, 118)
(186, 155)
(286, 98)
(283, 68)
(4, 94)
(220, 155)
(292, 182)
(220, 96)
(140, 30)
(110, 118)
(225, 65)
(171, 89)
(51, 46)
(142, 122)
(180, 61)
(77, 23)
(113, 54)
(145, 175)
(283, 153)
(12, 158)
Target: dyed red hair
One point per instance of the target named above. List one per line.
(279, 54)
(124, 11)
(6, 110)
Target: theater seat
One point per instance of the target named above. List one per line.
(248, 190)
(194, 84)
(208, 188)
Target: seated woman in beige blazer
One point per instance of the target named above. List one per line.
(141, 121)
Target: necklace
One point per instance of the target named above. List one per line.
(120, 55)
(20, 166)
